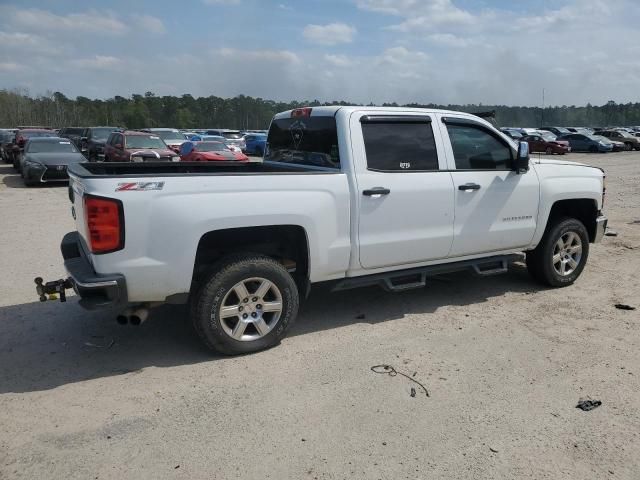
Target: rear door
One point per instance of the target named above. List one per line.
(495, 208)
(404, 192)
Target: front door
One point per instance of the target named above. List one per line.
(495, 208)
(405, 194)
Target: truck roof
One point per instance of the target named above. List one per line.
(333, 110)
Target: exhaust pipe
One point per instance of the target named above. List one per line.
(139, 316)
(123, 318)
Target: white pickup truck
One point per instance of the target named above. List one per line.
(353, 195)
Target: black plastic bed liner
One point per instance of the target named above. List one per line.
(169, 169)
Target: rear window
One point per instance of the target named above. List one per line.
(311, 141)
(73, 131)
(232, 135)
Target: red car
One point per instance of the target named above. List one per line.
(547, 143)
(209, 152)
(134, 146)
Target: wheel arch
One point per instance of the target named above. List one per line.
(583, 209)
(288, 244)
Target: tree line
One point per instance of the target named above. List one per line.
(18, 107)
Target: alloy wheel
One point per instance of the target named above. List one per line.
(567, 254)
(250, 309)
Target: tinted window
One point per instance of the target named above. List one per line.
(474, 148)
(309, 141)
(143, 141)
(400, 146)
(99, 134)
(54, 146)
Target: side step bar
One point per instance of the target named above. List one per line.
(400, 280)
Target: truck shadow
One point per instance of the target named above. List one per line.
(46, 345)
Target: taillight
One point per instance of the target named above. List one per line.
(105, 224)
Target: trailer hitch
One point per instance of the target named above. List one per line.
(52, 288)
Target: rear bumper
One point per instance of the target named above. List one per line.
(95, 290)
(601, 228)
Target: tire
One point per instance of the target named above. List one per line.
(593, 149)
(567, 242)
(259, 152)
(549, 151)
(628, 146)
(219, 289)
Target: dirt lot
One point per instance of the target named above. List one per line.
(504, 360)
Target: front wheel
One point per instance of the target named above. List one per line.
(561, 255)
(549, 151)
(246, 304)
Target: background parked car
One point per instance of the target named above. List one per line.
(93, 141)
(548, 143)
(630, 141)
(171, 136)
(255, 144)
(136, 146)
(616, 146)
(587, 143)
(22, 136)
(46, 160)
(557, 131)
(234, 137)
(231, 144)
(7, 138)
(208, 152)
(72, 133)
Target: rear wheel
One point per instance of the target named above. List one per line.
(561, 255)
(246, 304)
(628, 146)
(549, 151)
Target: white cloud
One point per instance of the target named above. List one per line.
(420, 14)
(450, 40)
(148, 23)
(10, 67)
(276, 56)
(331, 34)
(97, 62)
(337, 60)
(97, 22)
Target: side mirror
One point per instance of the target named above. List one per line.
(521, 164)
(118, 146)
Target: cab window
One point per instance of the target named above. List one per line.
(400, 146)
(474, 148)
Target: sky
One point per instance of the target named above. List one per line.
(426, 51)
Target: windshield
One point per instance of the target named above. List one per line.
(232, 135)
(142, 141)
(101, 134)
(53, 146)
(625, 134)
(37, 134)
(169, 135)
(599, 138)
(549, 137)
(309, 141)
(211, 147)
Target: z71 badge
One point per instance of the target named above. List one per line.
(139, 186)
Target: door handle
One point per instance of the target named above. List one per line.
(376, 191)
(469, 186)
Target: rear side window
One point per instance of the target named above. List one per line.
(400, 146)
(311, 141)
(474, 148)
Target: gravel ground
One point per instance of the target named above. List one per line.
(505, 362)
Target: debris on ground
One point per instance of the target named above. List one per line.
(586, 404)
(392, 372)
(493, 450)
(413, 392)
(611, 233)
(97, 345)
(622, 306)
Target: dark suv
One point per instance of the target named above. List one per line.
(93, 140)
(72, 133)
(135, 146)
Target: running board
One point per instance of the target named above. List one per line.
(401, 280)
